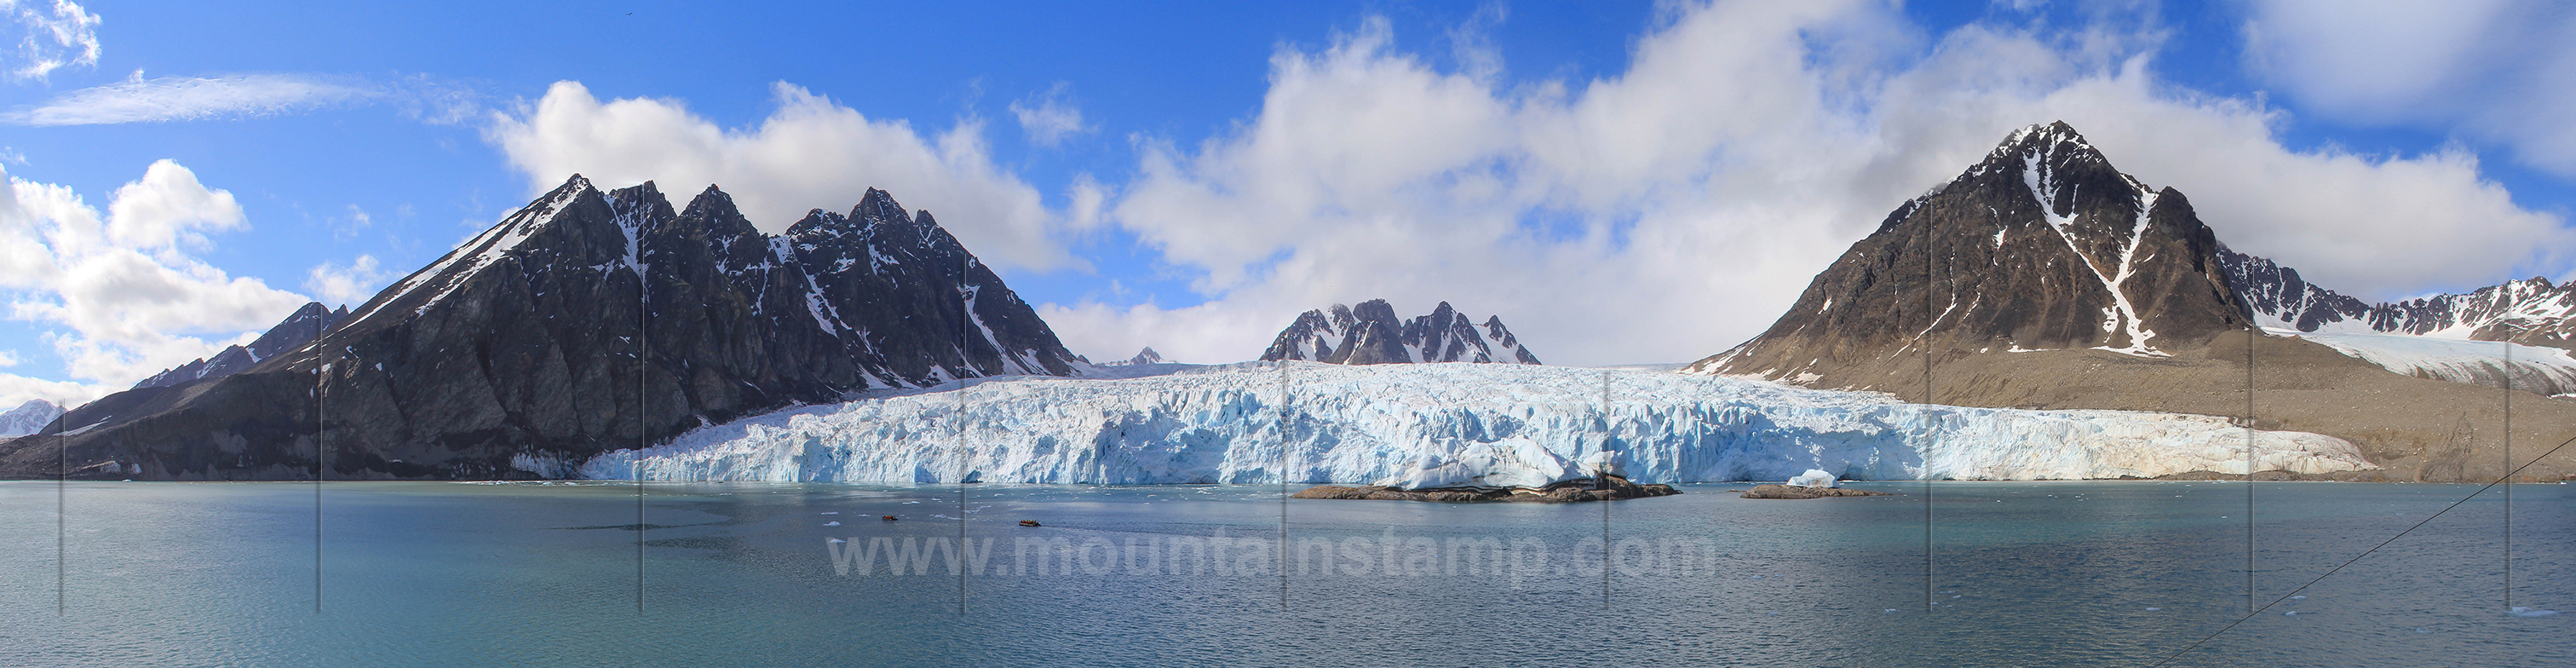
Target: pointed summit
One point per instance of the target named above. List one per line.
(2042, 245)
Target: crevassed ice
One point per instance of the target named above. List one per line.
(1430, 425)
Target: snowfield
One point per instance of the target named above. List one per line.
(1430, 425)
(2535, 368)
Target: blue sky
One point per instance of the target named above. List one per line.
(1623, 182)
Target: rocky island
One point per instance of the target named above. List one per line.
(1611, 488)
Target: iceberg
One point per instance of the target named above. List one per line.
(1416, 426)
(1812, 478)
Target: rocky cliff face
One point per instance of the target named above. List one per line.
(1371, 334)
(588, 321)
(2043, 245)
(298, 327)
(2530, 312)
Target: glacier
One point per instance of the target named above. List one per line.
(1436, 425)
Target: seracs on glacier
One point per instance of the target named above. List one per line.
(1433, 425)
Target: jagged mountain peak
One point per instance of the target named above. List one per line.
(1371, 333)
(305, 324)
(2534, 311)
(588, 321)
(878, 206)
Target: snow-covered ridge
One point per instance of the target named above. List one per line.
(1420, 425)
(2490, 363)
(2276, 296)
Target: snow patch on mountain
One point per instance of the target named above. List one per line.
(1422, 425)
(2491, 363)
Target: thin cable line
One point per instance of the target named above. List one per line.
(1926, 448)
(964, 312)
(635, 468)
(2364, 553)
(318, 385)
(62, 511)
(1283, 484)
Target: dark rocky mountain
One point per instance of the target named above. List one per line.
(1143, 357)
(2043, 278)
(586, 322)
(29, 417)
(298, 327)
(2530, 312)
(2043, 245)
(1371, 334)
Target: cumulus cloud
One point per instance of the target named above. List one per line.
(2502, 71)
(166, 99)
(49, 36)
(1048, 118)
(119, 286)
(352, 283)
(810, 153)
(1670, 210)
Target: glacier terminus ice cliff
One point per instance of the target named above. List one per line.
(1440, 425)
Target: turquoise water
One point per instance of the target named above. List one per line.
(2036, 574)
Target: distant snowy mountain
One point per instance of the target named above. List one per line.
(2532, 311)
(303, 325)
(29, 417)
(1371, 334)
(1430, 425)
(1144, 357)
(2456, 337)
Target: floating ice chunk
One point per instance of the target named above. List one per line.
(1813, 478)
(831, 512)
(2154, 609)
(2286, 614)
(2528, 612)
(831, 524)
(2298, 598)
(834, 540)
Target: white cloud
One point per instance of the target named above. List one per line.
(191, 98)
(168, 207)
(49, 36)
(2501, 71)
(1048, 118)
(1672, 209)
(810, 153)
(350, 284)
(127, 298)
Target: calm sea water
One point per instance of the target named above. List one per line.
(2020, 574)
